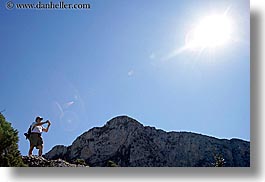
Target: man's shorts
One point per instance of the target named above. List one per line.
(35, 139)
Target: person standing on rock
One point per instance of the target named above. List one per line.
(35, 138)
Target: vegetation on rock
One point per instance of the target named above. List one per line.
(111, 164)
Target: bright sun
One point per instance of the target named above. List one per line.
(210, 32)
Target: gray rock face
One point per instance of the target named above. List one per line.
(128, 143)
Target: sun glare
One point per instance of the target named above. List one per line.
(210, 32)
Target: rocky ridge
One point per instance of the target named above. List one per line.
(36, 161)
(127, 142)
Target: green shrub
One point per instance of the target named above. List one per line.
(219, 160)
(80, 162)
(9, 153)
(111, 164)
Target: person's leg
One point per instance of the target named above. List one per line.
(40, 150)
(30, 150)
(40, 145)
(32, 143)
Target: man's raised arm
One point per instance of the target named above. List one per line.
(47, 129)
(41, 123)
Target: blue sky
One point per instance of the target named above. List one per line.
(80, 68)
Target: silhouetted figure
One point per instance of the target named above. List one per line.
(35, 138)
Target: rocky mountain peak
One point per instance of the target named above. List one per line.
(125, 121)
(127, 142)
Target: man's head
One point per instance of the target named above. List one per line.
(38, 119)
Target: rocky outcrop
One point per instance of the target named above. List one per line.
(36, 161)
(127, 142)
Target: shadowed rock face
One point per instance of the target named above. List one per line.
(128, 143)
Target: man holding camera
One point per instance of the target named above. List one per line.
(35, 136)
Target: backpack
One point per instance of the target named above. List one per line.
(27, 135)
